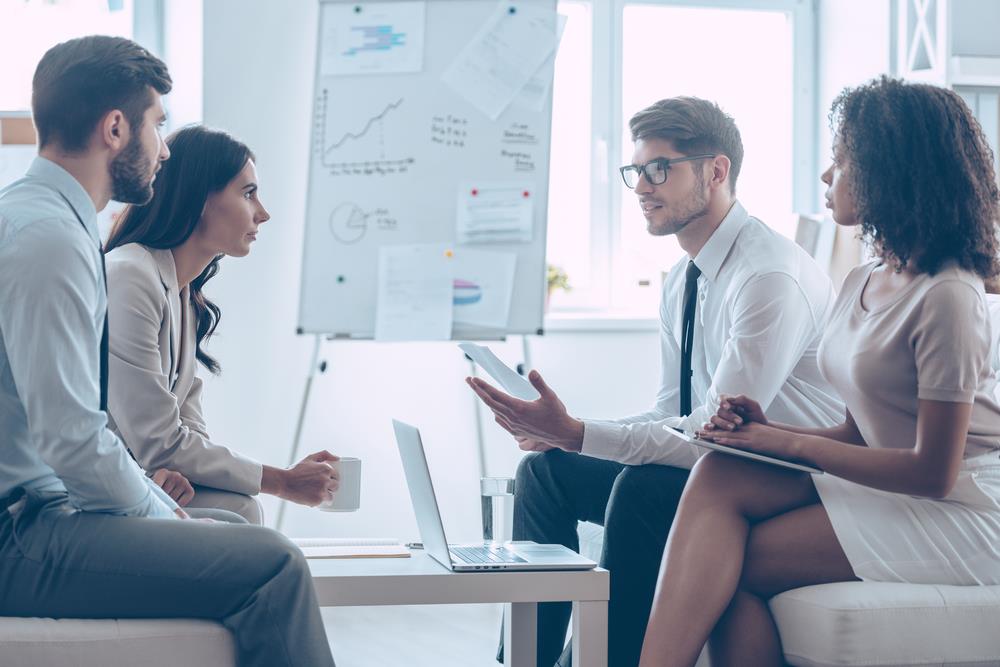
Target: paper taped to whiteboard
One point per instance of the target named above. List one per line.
(535, 92)
(511, 381)
(484, 283)
(495, 212)
(500, 59)
(414, 293)
(372, 38)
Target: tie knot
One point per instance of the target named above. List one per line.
(692, 271)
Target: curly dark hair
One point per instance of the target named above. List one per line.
(921, 175)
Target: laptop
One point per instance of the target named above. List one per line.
(470, 557)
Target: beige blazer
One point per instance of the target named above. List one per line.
(154, 395)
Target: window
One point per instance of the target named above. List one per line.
(28, 28)
(985, 104)
(570, 245)
(752, 57)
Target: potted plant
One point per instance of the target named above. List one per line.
(556, 279)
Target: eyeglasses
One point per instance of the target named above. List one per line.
(655, 170)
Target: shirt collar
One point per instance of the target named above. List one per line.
(66, 185)
(164, 259)
(713, 254)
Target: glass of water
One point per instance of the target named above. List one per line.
(497, 495)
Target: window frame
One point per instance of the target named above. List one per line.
(598, 302)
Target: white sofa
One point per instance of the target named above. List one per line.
(70, 642)
(859, 623)
(49, 642)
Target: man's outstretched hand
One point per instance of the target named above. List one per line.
(537, 425)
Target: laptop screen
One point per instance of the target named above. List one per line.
(418, 479)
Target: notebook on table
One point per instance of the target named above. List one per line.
(351, 547)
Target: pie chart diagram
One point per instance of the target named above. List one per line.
(348, 223)
(467, 293)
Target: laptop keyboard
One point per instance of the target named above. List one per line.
(485, 554)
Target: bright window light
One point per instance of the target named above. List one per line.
(28, 28)
(569, 216)
(706, 55)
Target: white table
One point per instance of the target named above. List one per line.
(422, 580)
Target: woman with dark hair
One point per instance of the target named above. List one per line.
(159, 256)
(912, 492)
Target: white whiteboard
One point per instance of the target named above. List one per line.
(390, 152)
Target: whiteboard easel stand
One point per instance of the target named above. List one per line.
(316, 366)
(523, 368)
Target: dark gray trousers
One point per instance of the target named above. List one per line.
(636, 506)
(57, 562)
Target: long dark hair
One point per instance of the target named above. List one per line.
(921, 175)
(202, 162)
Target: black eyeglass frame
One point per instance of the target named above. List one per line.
(662, 165)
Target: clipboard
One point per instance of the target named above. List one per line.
(763, 458)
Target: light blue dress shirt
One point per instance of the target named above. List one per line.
(53, 435)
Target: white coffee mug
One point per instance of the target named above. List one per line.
(347, 497)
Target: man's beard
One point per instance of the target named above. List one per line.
(695, 207)
(131, 178)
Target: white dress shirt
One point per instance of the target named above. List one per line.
(763, 303)
(53, 434)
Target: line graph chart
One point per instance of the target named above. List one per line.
(357, 151)
(371, 121)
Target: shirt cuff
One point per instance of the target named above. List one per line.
(638, 444)
(162, 495)
(602, 439)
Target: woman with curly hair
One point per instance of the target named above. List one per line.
(912, 492)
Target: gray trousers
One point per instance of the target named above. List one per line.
(247, 507)
(61, 563)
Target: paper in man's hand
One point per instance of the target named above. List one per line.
(508, 379)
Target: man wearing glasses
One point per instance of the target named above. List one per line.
(743, 313)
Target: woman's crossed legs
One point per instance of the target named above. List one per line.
(744, 532)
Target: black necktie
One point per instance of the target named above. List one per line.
(687, 334)
(104, 344)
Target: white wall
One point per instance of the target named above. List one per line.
(257, 84)
(854, 46)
